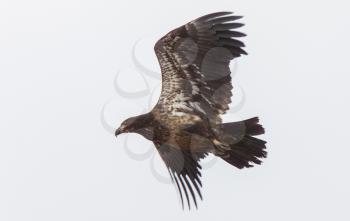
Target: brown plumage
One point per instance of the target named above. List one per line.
(185, 125)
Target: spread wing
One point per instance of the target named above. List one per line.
(194, 61)
(184, 170)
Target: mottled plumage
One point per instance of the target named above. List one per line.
(185, 125)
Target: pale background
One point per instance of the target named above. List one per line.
(58, 60)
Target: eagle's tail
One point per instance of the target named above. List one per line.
(247, 149)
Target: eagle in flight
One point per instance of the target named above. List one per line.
(185, 124)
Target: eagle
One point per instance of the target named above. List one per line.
(185, 125)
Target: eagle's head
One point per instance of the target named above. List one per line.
(128, 126)
(134, 124)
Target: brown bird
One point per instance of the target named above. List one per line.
(185, 125)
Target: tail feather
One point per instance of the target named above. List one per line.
(253, 127)
(248, 149)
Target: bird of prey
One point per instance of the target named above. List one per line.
(185, 124)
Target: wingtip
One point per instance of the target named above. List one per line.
(214, 15)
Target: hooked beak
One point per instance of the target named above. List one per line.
(117, 132)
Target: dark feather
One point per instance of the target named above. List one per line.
(185, 190)
(231, 42)
(212, 15)
(222, 27)
(225, 19)
(184, 169)
(230, 34)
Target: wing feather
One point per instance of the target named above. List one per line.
(194, 61)
(184, 170)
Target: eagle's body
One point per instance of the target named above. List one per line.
(185, 125)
